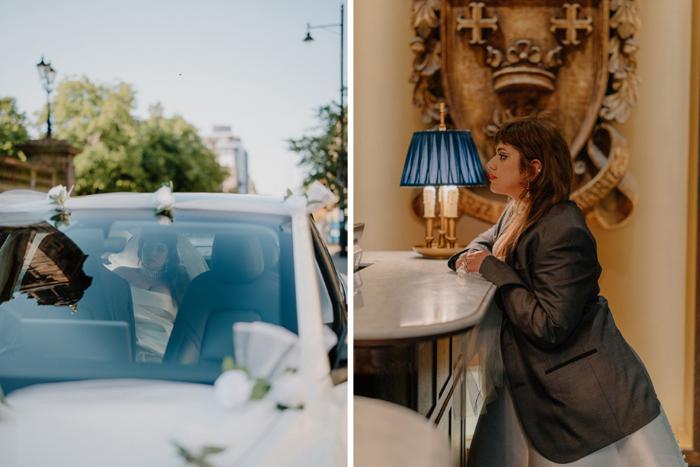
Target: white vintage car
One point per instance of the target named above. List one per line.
(115, 321)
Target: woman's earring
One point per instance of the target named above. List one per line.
(527, 189)
(166, 267)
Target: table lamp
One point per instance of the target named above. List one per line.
(441, 159)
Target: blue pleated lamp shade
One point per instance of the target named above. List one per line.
(442, 158)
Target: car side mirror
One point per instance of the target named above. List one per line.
(339, 375)
(340, 360)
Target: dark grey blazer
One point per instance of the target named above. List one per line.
(576, 384)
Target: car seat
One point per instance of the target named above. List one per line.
(237, 288)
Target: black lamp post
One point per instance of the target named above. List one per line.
(342, 153)
(47, 75)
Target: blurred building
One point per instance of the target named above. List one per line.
(231, 155)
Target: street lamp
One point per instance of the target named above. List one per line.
(47, 75)
(342, 153)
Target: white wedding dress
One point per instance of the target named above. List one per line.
(154, 315)
(155, 312)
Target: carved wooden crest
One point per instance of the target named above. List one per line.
(495, 59)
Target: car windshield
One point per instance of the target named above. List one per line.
(124, 293)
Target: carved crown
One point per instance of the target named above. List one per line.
(521, 66)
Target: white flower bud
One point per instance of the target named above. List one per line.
(233, 388)
(290, 390)
(318, 196)
(59, 194)
(163, 198)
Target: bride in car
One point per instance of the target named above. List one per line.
(157, 286)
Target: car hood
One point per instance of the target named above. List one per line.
(135, 422)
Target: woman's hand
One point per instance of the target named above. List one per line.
(472, 260)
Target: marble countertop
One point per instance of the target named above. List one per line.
(401, 295)
(388, 434)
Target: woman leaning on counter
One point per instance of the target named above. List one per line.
(572, 391)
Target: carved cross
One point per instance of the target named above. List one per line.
(477, 22)
(572, 24)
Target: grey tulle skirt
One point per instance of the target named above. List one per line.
(500, 441)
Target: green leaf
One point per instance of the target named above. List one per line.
(184, 453)
(228, 364)
(199, 460)
(260, 389)
(206, 450)
(284, 407)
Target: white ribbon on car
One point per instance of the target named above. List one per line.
(267, 352)
(25, 207)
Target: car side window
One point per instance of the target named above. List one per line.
(326, 304)
(329, 278)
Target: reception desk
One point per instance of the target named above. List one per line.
(409, 315)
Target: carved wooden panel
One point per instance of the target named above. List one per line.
(492, 60)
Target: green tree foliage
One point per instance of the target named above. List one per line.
(85, 113)
(13, 131)
(170, 148)
(320, 151)
(122, 153)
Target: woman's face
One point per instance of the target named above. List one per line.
(154, 255)
(505, 175)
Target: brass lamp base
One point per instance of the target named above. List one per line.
(437, 253)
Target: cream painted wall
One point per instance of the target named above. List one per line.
(384, 119)
(644, 262)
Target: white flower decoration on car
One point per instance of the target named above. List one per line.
(233, 388)
(163, 198)
(290, 390)
(318, 196)
(59, 195)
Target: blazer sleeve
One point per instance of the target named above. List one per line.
(484, 241)
(564, 270)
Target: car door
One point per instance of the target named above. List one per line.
(333, 294)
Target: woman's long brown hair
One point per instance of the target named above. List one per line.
(535, 138)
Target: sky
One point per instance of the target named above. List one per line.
(214, 62)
